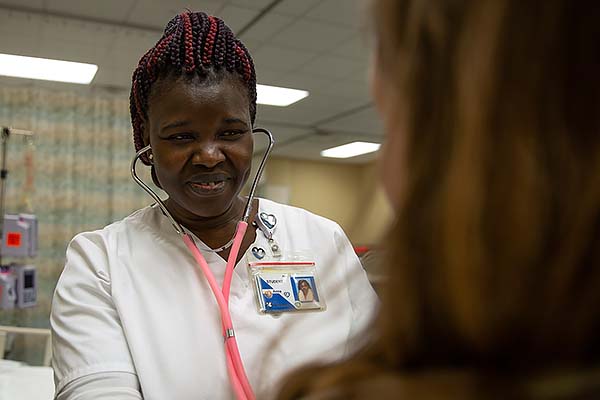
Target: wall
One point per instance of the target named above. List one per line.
(374, 214)
(346, 193)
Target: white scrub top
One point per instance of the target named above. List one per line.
(132, 300)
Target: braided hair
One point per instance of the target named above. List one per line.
(192, 43)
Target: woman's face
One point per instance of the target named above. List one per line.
(303, 286)
(201, 138)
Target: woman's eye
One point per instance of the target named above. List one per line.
(232, 134)
(181, 137)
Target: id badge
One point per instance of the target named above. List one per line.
(286, 286)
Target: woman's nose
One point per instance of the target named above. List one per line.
(208, 154)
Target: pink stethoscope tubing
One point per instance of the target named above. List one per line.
(235, 367)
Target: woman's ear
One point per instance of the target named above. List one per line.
(146, 137)
(147, 157)
(154, 177)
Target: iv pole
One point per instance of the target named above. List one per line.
(4, 135)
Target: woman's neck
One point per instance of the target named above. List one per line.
(214, 231)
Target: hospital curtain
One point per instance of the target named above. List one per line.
(74, 175)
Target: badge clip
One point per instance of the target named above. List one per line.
(275, 249)
(266, 223)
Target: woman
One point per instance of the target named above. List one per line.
(132, 313)
(492, 161)
(305, 294)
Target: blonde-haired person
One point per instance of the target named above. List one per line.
(492, 162)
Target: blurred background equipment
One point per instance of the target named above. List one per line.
(19, 233)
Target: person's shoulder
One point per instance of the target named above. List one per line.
(134, 221)
(292, 214)
(91, 251)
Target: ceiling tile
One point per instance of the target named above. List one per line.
(129, 47)
(72, 30)
(20, 44)
(333, 67)
(280, 58)
(347, 88)
(284, 137)
(281, 134)
(294, 7)
(177, 6)
(312, 36)
(268, 76)
(252, 45)
(13, 23)
(308, 111)
(295, 80)
(343, 12)
(365, 121)
(254, 4)
(16, 40)
(207, 6)
(355, 48)
(114, 10)
(361, 75)
(158, 12)
(150, 14)
(266, 27)
(236, 17)
(34, 4)
(72, 51)
(113, 77)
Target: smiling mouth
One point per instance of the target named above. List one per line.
(213, 185)
(209, 186)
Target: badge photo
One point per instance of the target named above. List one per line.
(305, 289)
(286, 286)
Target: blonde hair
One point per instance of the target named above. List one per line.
(494, 269)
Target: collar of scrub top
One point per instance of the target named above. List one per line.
(235, 367)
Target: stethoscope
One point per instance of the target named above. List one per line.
(235, 368)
